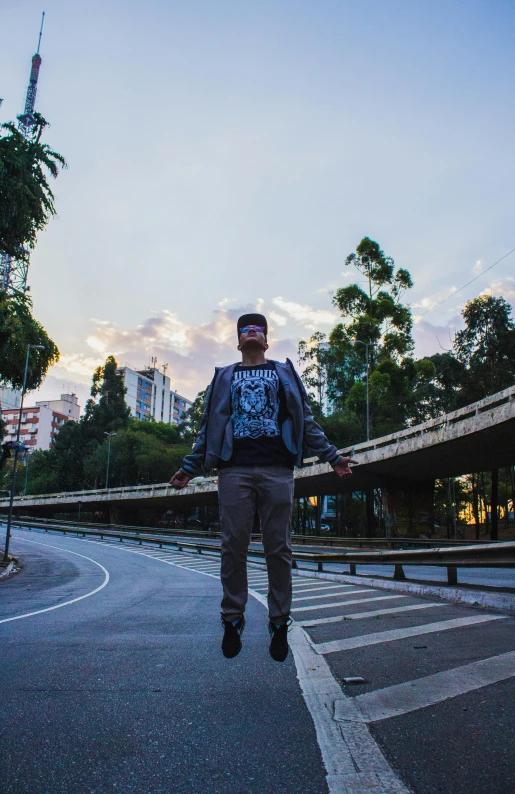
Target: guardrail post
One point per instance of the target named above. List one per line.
(320, 565)
(452, 574)
(352, 568)
(398, 572)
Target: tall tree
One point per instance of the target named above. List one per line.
(376, 330)
(26, 205)
(486, 347)
(26, 200)
(191, 425)
(376, 315)
(111, 412)
(18, 328)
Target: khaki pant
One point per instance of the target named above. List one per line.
(241, 491)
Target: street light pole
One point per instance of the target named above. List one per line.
(108, 456)
(321, 373)
(16, 450)
(366, 345)
(27, 456)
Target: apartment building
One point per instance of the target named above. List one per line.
(149, 396)
(40, 423)
(9, 398)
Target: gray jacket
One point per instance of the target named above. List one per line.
(299, 429)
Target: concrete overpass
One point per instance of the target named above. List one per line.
(479, 437)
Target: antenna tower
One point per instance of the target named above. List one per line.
(13, 272)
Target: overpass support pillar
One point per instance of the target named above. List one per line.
(409, 508)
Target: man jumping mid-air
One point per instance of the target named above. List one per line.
(256, 421)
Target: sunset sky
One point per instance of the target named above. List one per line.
(228, 155)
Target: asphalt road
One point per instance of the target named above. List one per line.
(126, 690)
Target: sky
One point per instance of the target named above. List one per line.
(228, 156)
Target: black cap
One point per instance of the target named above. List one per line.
(252, 319)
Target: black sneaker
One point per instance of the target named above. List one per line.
(279, 640)
(231, 642)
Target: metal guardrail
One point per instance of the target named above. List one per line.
(305, 540)
(499, 555)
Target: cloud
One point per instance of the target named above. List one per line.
(190, 351)
(426, 304)
(478, 267)
(278, 319)
(304, 315)
(503, 288)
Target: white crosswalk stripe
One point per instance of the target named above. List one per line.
(423, 692)
(319, 589)
(346, 603)
(373, 614)
(326, 595)
(350, 643)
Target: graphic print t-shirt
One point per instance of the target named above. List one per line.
(258, 410)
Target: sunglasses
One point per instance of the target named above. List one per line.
(248, 328)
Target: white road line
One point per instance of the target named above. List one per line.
(192, 563)
(164, 556)
(64, 603)
(334, 646)
(202, 565)
(410, 696)
(353, 760)
(329, 595)
(346, 603)
(362, 615)
(320, 589)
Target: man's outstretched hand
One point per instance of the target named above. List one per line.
(342, 468)
(180, 479)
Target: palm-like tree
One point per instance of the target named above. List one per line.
(26, 200)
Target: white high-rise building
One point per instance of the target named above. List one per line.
(149, 396)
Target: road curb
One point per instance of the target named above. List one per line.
(503, 602)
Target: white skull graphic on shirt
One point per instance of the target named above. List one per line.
(255, 403)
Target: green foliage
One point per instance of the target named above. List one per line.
(486, 347)
(138, 457)
(402, 391)
(377, 315)
(18, 328)
(26, 205)
(337, 366)
(26, 201)
(190, 427)
(107, 411)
